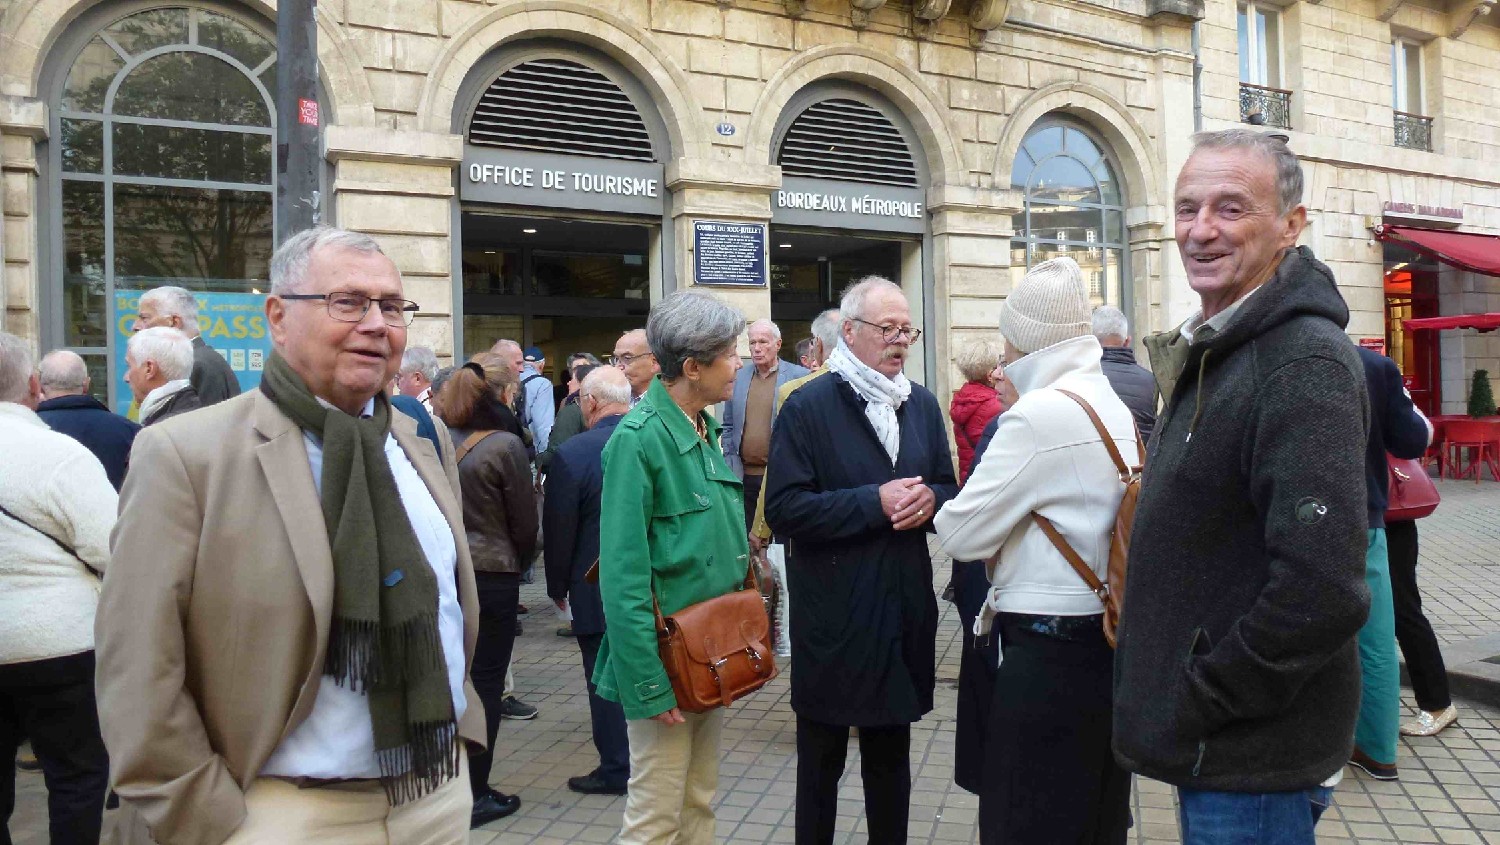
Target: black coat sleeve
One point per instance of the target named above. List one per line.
(796, 505)
(560, 526)
(1406, 433)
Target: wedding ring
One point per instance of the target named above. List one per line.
(919, 512)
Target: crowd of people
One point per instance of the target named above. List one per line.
(289, 615)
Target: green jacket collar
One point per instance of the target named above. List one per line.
(678, 425)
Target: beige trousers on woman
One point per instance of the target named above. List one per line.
(674, 770)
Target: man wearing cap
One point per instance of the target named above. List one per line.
(534, 406)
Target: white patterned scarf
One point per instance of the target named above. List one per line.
(882, 395)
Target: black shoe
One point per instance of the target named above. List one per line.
(514, 708)
(592, 784)
(493, 806)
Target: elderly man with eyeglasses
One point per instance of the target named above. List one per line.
(634, 356)
(859, 465)
(290, 612)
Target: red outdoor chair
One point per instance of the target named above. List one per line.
(1478, 436)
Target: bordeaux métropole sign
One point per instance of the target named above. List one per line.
(849, 205)
(514, 177)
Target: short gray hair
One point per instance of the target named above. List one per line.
(775, 329)
(691, 324)
(289, 263)
(168, 347)
(1288, 170)
(440, 378)
(606, 384)
(853, 304)
(826, 329)
(15, 369)
(179, 302)
(63, 372)
(420, 359)
(1110, 321)
(978, 358)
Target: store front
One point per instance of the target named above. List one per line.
(562, 203)
(851, 204)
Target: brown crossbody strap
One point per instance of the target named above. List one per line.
(1109, 442)
(469, 443)
(1083, 569)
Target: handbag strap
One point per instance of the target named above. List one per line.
(1109, 441)
(60, 544)
(469, 443)
(1073, 558)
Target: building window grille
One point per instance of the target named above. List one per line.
(560, 106)
(1413, 131)
(1262, 106)
(1262, 101)
(1408, 101)
(846, 139)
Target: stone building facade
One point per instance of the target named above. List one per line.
(545, 169)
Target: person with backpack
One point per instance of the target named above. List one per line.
(1049, 489)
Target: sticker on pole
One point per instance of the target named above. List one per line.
(307, 112)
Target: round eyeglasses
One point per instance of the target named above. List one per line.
(890, 334)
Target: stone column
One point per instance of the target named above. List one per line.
(23, 120)
(972, 274)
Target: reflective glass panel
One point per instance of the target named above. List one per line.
(1244, 43)
(84, 313)
(1083, 149)
(229, 36)
(1109, 187)
(177, 153)
(1063, 178)
(192, 86)
(82, 146)
(574, 274)
(1066, 222)
(98, 367)
(1044, 143)
(1020, 172)
(89, 78)
(202, 238)
(490, 271)
(149, 30)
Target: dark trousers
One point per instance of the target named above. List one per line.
(1050, 777)
(976, 678)
(52, 702)
(885, 766)
(752, 497)
(1424, 660)
(499, 596)
(607, 718)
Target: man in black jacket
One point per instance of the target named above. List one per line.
(570, 521)
(1237, 676)
(859, 463)
(68, 408)
(1131, 382)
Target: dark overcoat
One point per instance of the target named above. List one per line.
(570, 519)
(863, 612)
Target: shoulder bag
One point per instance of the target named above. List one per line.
(1412, 493)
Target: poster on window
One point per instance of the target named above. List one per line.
(232, 324)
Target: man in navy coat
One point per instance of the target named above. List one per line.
(570, 522)
(859, 465)
(69, 409)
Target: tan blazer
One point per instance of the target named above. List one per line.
(215, 611)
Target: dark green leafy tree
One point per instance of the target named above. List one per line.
(1481, 396)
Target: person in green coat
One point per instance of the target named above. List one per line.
(672, 523)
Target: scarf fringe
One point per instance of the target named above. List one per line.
(428, 760)
(362, 654)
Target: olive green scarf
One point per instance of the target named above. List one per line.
(384, 637)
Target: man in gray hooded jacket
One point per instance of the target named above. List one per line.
(1237, 676)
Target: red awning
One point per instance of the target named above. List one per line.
(1483, 322)
(1466, 250)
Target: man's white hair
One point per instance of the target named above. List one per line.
(853, 303)
(420, 359)
(179, 302)
(63, 373)
(826, 329)
(15, 369)
(608, 385)
(168, 347)
(1110, 321)
(289, 264)
(767, 324)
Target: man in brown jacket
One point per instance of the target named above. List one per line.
(269, 551)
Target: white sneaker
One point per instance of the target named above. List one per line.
(1430, 724)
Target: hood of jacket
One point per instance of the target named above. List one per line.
(1042, 368)
(969, 400)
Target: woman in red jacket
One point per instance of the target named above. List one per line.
(976, 403)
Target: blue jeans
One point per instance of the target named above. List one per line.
(1246, 818)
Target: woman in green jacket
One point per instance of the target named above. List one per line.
(672, 522)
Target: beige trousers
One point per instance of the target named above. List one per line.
(674, 771)
(278, 813)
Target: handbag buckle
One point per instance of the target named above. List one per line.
(754, 659)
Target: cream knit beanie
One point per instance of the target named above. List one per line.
(1050, 305)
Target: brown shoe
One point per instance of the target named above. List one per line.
(1378, 771)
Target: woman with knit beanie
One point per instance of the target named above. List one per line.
(1049, 776)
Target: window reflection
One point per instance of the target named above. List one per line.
(169, 235)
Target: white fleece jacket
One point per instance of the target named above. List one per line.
(47, 597)
(1046, 457)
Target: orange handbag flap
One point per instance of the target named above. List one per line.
(717, 628)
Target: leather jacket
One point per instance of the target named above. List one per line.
(500, 510)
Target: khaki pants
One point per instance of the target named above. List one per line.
(673, 773)
(279, 813)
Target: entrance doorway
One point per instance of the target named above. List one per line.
(810, 270)
(559, 284)
(1411, 291)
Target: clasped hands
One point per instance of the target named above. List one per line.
(907, 502)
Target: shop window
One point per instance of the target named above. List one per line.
(1073, 208)
(1263, 102)
(163, 165)
(1412, 124)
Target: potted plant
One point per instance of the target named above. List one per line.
(1481, 396)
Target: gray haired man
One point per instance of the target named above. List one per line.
(68, 408)
(1131, 382)
(212, 378)
(749, 412)
(1237, 676)
(419, 366)
(158, 362)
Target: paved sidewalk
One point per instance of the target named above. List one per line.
(1449, 790)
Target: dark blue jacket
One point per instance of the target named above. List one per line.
(1395, 427)
(570, 522)
(86, 420)
(416, 410)
(1134, 384)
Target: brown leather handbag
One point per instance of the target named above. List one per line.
(716, 651)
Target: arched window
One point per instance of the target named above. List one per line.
(1073, 207)
(163, 167)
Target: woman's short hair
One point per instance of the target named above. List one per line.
(977, 359)
(467, 396)
(691, 324)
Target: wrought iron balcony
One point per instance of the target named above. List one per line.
(1413, 131)
(1264, 106)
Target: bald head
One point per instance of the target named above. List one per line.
(633, 357)
(63, 373)
(511, 352)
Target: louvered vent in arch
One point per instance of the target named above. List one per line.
(560, 106)
(848, 140)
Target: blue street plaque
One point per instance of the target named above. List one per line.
(725, 129)
(729, 253)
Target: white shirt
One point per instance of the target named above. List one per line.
(337, 740)
(1217, 322)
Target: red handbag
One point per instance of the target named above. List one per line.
(1412, 493)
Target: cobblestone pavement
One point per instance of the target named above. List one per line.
(1449, 790)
